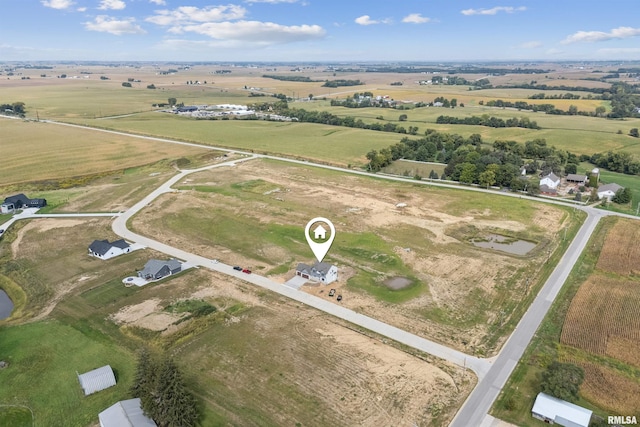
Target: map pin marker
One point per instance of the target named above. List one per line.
(319, 243)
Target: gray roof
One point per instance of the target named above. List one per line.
(153, 266)
(126, 413)
(610, 187)
(318, 267)
(101, 247)
(576, 177)
(97, 380)
(561, 412)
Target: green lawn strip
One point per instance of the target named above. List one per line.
(15, 416)
(517, 396)
(16, 295)
(44, 358)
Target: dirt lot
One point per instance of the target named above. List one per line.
(428, 238)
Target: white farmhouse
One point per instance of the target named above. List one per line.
(104, 250)
(551, 181)
(607, 191)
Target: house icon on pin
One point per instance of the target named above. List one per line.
(320, 233)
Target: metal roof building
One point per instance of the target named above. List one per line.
(557, 411)
(126, 413)
(97, 380)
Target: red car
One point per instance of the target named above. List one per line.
(246, 270)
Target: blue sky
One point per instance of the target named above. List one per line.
(319, 30)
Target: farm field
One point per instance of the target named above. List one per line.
(252, 214)
(252, 358)
(594, 324)
(35, 151)
(411, 168)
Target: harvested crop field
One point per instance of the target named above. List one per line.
(254, 215)
(621, 252)
(612, 390)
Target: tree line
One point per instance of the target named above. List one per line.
(492, 121)
(17, 109)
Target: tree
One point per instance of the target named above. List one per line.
(126, 84)
(562, 380)
(468, 173)
(403, 117)
(570, 168)
(144, 380)
(175, 405)
(151, 86)
(634, 133)
(487, 178)
(622, 196)
(310, 96)
(172, 101)
(600, 110)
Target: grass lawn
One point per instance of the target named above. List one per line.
(44, 359)
(15, 416)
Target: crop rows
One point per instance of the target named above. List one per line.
(621, 253)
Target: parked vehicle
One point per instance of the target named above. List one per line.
(339, 297)
(332, 292)
(238, 268)
(246, 270)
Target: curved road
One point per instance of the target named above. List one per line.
(492, 373)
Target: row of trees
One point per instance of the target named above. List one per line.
(492, 121)
(545, 108)
(567, 95)
(162, 392)
(17, 108)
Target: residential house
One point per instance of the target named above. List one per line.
(577, 179)
(104, 250)
(551, 181)
(20, 201)
(552, 410)
(97, 380)
(156, 269)
(320, 272)
(126, 413)
(608, 191)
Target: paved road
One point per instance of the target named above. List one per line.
(479, 366)
(480, 400)
(31, 213)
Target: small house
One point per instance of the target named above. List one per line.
(607, 191)
(156, 269)
(126, 413)
(319, 272)
(20, 201)
(551, 181)
(97, 380)
(7, 208)
(104, 250)
(552, 410)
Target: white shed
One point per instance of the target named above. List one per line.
(126, 413)
(97, 380)
(557, 411)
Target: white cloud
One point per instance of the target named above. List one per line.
(366, 20)
(530, 45)
(598, 36)
(158, 2)
(415, 18)
(81, 9)
(58, 4)
(255, 32)
(112, 5)
(191, 14)
(107, 24)
(493, 11)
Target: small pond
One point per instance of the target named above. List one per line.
(397, 283)
(6, 305)
(504, 244)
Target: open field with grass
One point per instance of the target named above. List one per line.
(411, 168)
(589, 325)
(252, 215)
(251, 359)
(34, 151)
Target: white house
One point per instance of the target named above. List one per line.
(104, 250)
(552, 410)
(126, 413)
(608, 191)
(551, 181)
(319, 272)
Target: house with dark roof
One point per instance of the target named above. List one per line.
(20, 201)
(319, 272)
(607, 191)
(552, 410)
(97, 380)
(104, 250)
(156, 269)
(126, 413)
